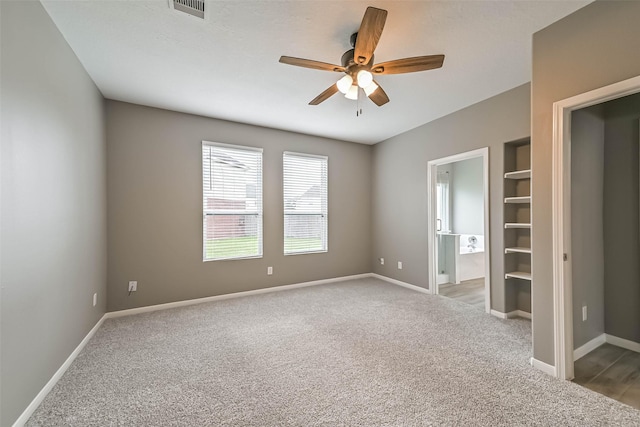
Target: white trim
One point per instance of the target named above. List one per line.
(399, 283)
(621, 342)
(511, 315)
(561, 213)
(432, 262)
(24, 417)
(544, 367)
(499, 314)
(157, 307)
(522, 313)
(587, 348)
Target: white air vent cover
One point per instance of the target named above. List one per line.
(192, 7)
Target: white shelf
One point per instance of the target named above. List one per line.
(524, 174)
(517, 250)
(518, 275)
(519, 199)
(516, 225)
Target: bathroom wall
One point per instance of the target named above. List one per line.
(467, 196)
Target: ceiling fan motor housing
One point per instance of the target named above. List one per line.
(353, 39)
(351, 66)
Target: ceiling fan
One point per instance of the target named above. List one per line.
(357, 63)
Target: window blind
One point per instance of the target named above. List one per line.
(305, 203)
(232, 201)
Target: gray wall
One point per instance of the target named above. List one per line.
(587, 182)
(468, 197)
(155, 208)
(591, 48)
(400, 184)
(53, 203)
(621, 239)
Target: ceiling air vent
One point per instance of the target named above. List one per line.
(192, 7)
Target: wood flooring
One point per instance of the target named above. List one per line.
(469, 291)
(612, 371)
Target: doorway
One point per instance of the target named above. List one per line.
(458, 227)
(572, 319)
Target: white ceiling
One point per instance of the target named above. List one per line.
(227, 65)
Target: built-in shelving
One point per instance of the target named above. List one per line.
(517, 223)
(519, 199)
(518, 275)
(517, 250)
(523, 174)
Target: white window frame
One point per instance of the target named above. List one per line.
(444, 202)
(324, 209)
(258, 212)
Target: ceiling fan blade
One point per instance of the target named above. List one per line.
(379, 96)
(409, 65)
(308, 63)
(331, 90)
(369, 34)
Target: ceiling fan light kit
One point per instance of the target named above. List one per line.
(370, 89)
(357, 63)
(365, 78)
(352, 93)
(344, 83)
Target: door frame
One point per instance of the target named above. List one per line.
(561, 215)
(432, 235)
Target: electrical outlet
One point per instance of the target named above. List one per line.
(133, 286)
(399, 265)
(381, 261)
(584, 313)
(95, 299)
(269, 271)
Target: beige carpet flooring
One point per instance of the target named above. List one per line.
(356, 353)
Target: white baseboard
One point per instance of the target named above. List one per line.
(150, 308)
(587, 348)
(544, 367)
(499, 314)
(521, 313)
(399, 283)
(621, 342)
(24, 417)
(511, 315)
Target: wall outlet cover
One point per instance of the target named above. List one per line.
(399, 265)
(133, 286)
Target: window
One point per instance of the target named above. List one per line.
(305, 203)
(443, 200)
(231, 201)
